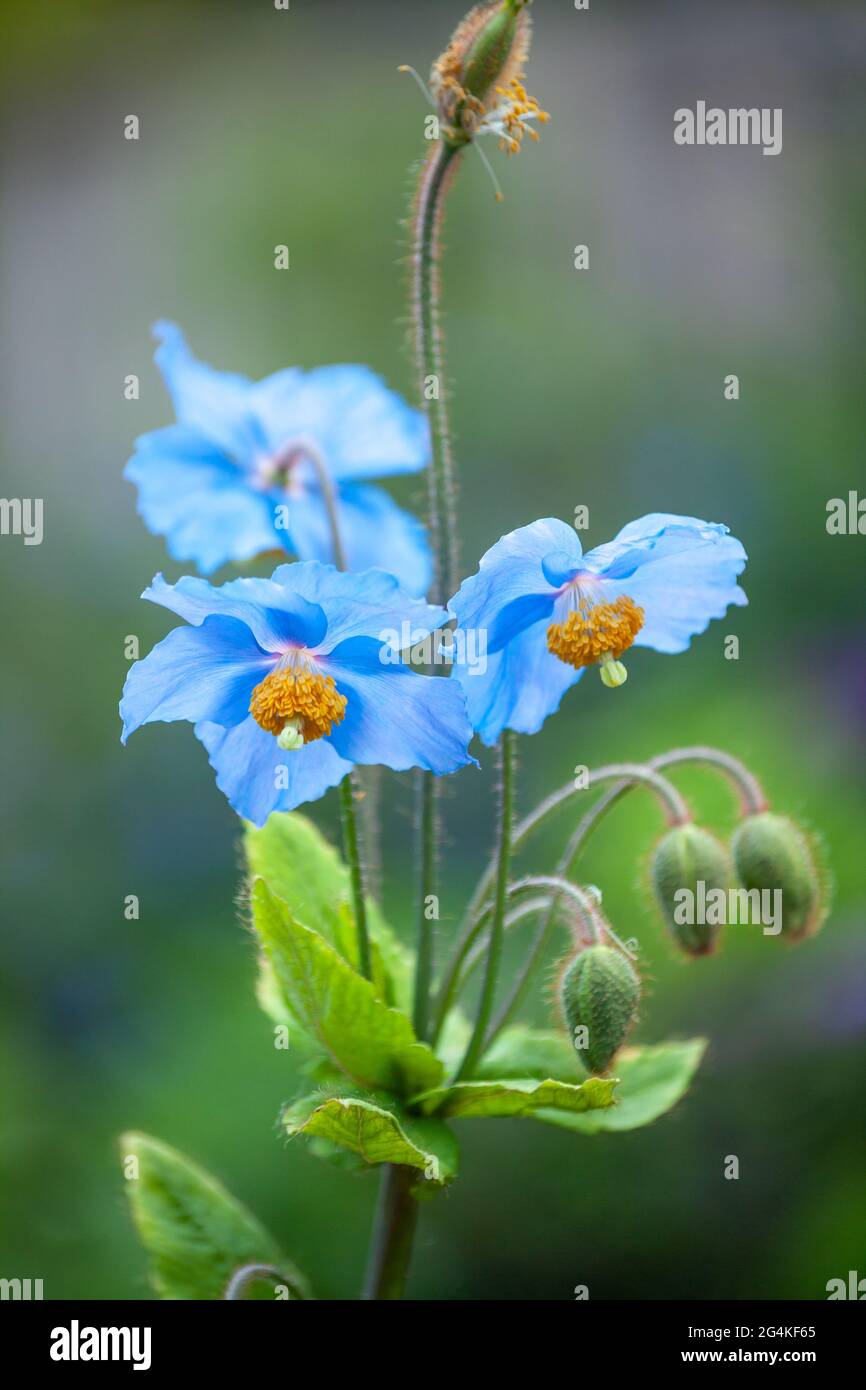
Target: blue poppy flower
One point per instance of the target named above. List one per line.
(238, 474)
(290, 681)
(544, 611)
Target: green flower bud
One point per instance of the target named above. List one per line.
(599, 992)
(772, 853)
(489, 52)
(684, 858)
(478, 81)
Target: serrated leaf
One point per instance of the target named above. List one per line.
(652, 1080)
(194, 1231)
(377, 1134)
(372, 1044)
(299, 865)
(516, 1096)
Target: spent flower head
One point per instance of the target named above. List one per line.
(477, 83)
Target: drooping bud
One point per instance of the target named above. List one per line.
(477, 82)
(490, 51)
(599, 992)
(772, 854)
(688, 863)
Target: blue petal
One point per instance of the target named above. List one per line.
(277, 615)
(195, 673)
(370, 604)
(395, 716)
(360, 427)
(216, 404)
(202, 503)
(522, 684)
(680, 570)
(511, 591)
(251, 768)
(374, 531)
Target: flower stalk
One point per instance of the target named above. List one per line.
(494, 949)
(393, 1236)
(353, 859)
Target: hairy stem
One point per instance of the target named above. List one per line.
(353, 859)
(396, 1215)
(582, 832)
(494, 946)
(430, 363)
(424, 960)
(283, 465)
(676, 810)
(393, 1235)
(753, 799)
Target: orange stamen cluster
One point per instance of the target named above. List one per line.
(307, 696)
(520, 109)
(601, 630)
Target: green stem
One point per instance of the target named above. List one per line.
(430, 362)
(393, 1235)
(353, 859)
(494, 947)
(424, 960)
(566, 863)
(396, 1215)
(753, 799)
(676, 810)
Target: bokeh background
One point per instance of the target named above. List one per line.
(602, 388)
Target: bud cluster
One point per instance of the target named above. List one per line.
(769, 857)
(478, 80)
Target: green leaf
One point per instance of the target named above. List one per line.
(522, 1051)
(652, 1080)
(195, 1232)
(338, 1008)
(516, 1096)
(301, 867)
(376, 1133)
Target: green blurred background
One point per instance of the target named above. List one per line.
(601, 388)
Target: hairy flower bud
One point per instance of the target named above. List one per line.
(772, 854)
(686, 857)
(478, 81)
(599, 992)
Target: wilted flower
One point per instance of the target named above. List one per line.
(252, 467)
(477, 83)
(285, 683)
(549, 611)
